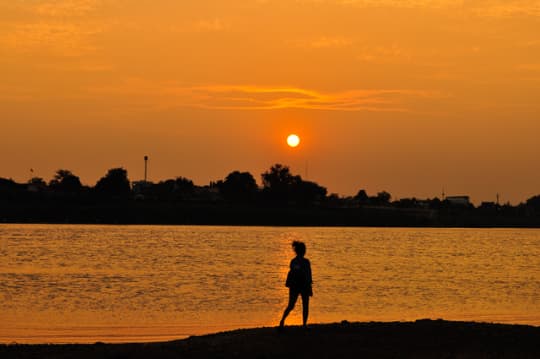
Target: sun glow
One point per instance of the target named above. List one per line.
(293, 140)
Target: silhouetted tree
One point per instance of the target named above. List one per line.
(362, 197)
(164, 190)
(307, 192)
(7, 184)
(36, 184)
(534, 202)
(238, 187)
(114, 184)
(171, 189)
(333, 200)
(183, 186)
(278, 182)
(37, 181)
(9, 188)
(280, 185)
(65, 181)
(435, 203)
(406, 203)
(382, 198)
(278, 176)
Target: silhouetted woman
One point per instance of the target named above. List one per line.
(299, 282)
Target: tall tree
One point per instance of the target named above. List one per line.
(534, 202)
(65, 181)
(115, 183)
(382, 198)
(307, 192)
(278, 182)
(37, 181)
(362, 197)
(183, 186)
(238, 187)
(280, 185)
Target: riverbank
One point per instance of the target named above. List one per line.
(420, 339)
(223, 213)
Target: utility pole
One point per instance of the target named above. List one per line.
(145, 168)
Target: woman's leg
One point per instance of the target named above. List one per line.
(293, 297)
(305, 308)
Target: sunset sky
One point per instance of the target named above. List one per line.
(408, 96)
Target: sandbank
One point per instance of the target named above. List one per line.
(419, 339)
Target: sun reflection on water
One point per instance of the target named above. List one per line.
(142, 283)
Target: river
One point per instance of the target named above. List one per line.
(86, 283)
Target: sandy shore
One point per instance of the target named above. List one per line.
(420, 339)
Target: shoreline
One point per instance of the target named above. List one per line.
(419, 339)
(300, 225)
(223, 213)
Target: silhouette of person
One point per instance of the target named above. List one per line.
(299, 282)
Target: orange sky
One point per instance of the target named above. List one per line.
(406, 96)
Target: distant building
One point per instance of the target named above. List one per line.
(459, 200)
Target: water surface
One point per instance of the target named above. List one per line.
(82, 283)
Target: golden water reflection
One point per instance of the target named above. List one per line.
(72, 283)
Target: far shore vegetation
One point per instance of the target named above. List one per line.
(283, 199)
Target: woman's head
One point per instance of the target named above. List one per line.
(299, 248)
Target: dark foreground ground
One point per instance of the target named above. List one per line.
(421, 339)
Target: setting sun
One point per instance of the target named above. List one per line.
(293, 140)
(246, 140)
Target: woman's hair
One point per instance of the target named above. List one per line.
(299, 248)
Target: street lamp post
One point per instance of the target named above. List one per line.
(145, 168)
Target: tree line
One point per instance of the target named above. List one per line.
(279, 186)
(282, 198)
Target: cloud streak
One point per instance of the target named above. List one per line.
(508, 8)
(275, 98)
(483, 8)
(330, 42)
(62, 38)
(250, 98)
(65, 8)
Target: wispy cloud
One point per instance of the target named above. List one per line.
(59, 27)
(247, 97)
(209, 25)
(330, 42)
(529, 67)
(66, 7)
(383, 54)
(198, 26)
(60, 38)
(387, 3)
(506, 8)
(485, 8)
(322, 42)
(272, 98)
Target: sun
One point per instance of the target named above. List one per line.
(293, 140)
